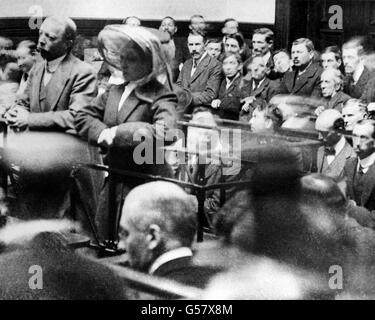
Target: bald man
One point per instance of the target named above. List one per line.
(157, 226)
(335, 150)
(58, 86)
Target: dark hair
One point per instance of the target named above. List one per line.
(169, 17)
(335, 50)
(307, 42)
(265, 31)
(238, 37)
(229, 20)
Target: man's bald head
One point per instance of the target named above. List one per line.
(56, 37)
(328, 124)
(327, 119)
(164, 204)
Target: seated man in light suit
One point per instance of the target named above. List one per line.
(58, 86)
(200, 75)
(335, 150)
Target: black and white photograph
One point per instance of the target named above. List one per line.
(187, 154)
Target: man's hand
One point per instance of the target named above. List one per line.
(247, 101)
(215, 103)
(17, 117)
(319, 110)
(106, 137)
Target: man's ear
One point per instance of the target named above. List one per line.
(154, 236)
(175, 30)
(270, 44)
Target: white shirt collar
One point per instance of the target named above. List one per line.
(169, 256)
(358, 72)
(51, 66)
(127, 91)
(367, 162)
(259, 83)
(339, 145)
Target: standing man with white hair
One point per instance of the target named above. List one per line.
(157, 226)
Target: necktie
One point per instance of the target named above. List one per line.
(195, 63)
(25, 76)
(329, 151)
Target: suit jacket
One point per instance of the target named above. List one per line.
(181, 55)
(336, 168)
(337, 101)
(358, 89)
(138, 117)
(368, 94)
(205, 82)
(183, 270)
(267, 89)
(230, 106)
(368, 195)
(66, 275)
(71, 87)
(308, 84)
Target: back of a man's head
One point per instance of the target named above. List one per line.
(164, 217)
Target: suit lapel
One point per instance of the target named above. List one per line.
(38, 81)
(337, 165)
(304, 78)
(127, 107)
(201, 67)
(113, 100)
(363, 79)
(368, 184)
(58, 81)
(261, 88)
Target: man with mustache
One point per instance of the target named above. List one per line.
(304, 80)
(360, 171)
(200, 75)
(58, 86)
(181, 52)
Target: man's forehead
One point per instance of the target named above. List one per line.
(350, 51)
(195, 38)
(301, 47)
(328, 55)
(363, 129)
(259, 37)
(167, 21)
(231, 23)
(351, 109)
(52, 26)
(281, 55)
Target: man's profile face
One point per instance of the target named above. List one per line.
(363, 142)
(136, 245)
(167, 25)
(51, 43)
(282, 62)
(327, 85)
(351, 59)
(351, 113)
(196, 46)
(259, 121)
(301, 55)
(260, 45)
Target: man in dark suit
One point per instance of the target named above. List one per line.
(201, 75)
(168, 24)
(360, 171)
(58, 86)
(357, 74)
(158, 226)
(304, 80)
(262, 42)
(335, 150)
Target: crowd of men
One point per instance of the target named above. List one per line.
(278, 238)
